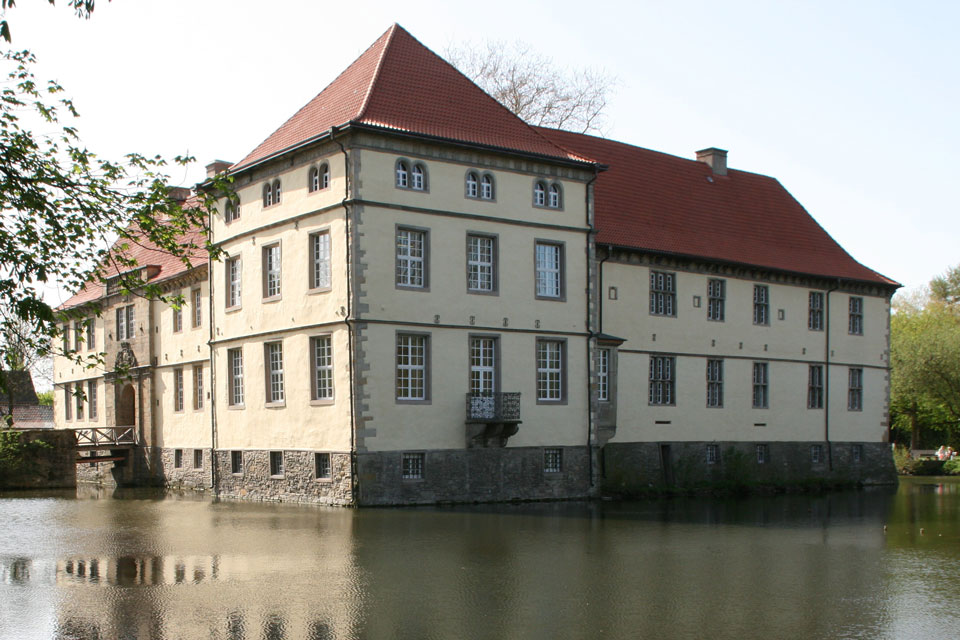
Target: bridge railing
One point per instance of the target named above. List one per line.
(106, 436)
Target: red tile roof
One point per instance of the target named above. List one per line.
(400, 84)
(146, 254)
(658, 202)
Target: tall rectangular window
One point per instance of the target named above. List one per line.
(67, 402)
(91, 333)
(552, 460)
(761, 304)
(276, 463)
(411, 258)
(411, 367)
(320, 273)
(603, 375)
(321, 349)
(125, 323)
(198, 458)
(855, 390)
(321, 466)
(761, 383)
(177, 319)
(271, 271)
(197, 299)
(412, 466)
(77, 335)
(233, 282)
(178, 389)
(65, 335)
(177, 458)
(815, 313)
(79, 399)
(549, 370)
(273, 355)
(815, 387)
(198, 387)
(816, 453)
(549, 268)
(663, 293)
(92, 398)
(483, 366)
(713, 453)
(714, 383)
(235, 376)
(762, 454)
(236, 462)
(662, 380)
(716, 299)
(856, 316)
(481, 263)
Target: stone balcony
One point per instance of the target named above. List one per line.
(491, 418)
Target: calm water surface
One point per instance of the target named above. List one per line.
(136, 565)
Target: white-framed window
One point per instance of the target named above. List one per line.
(178, 389)
(855, 327)
(177, 458)
(550, 382)
(198, 458)
(815, 387)
(198, 387)
(197, 296)
(177, 319)
(321, 466)
(318, 178)
(486, 187)
(662, 380)
(715, 383)
(271, 270)
(481, 263)
(78, 398)
(77, 335)
(763, 454)
(321, 350)
(716, 299)
(67, 402)
(549, 266)
(663, 293)
(231, 211)
(418, 177)
(91, 334)
(556, 197)
(815, 312)
(320, 269)
(271, 193)
(411, 258)
(126, 329)
(403, 174)
(553, 460)
(761, 304)
(236, 462)
(816, 453)
(855, 389)
(412, 367)
(473, 185)
(412, 464)
(235, 376)
(539, 193)
(713, 453)
(233, 272)
(276, 463)
(92, 398)
(603, 375)
(483, 365)
(761, 384)
(273, 352)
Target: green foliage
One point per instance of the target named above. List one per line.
(901, 458)
(45, 398)
(924, 467)
(946, 288)
(952, 467)
(16, 455)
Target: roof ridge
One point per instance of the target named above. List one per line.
(389, 33)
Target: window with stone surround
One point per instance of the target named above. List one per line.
(178, 389)
(816, 453)
(760, 385)
(481, 263)
(276, 464)
(412, 465)
(271, 271)
(92, 398)
(411, 258)
(67, 402)
(662, 389)
(125, 323)
(763, 453)
(603, 375)
(553, 460)
(855, 325)
(198, 387)
(855, 389)
(321, 350)
(236, 462)
(715, 383)
(177, 318)
(815, 312)
(716, 299)
(321, 466)
(320, 269)
(233, 272)
(548, 258)
(198, 458)
(197, 298)
(91, 334)
(177, 458)
(412, 367)
(663, 293)
(815, 387)
(235, 377)
(273, 358)
(761, 304)
(551, 377)
(713, 453)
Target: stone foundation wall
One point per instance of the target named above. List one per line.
(186, 476)
(632, 468)
(473, 475)
(297, 484)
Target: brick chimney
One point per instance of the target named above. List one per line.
(179, 194)
(217, 166)
(716, 158)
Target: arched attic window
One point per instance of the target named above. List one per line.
(403, 175)
(486, 187)
(267, 195)
(276, 192)
(324, 176)
(418, 177)
(556, 197)
(472, 185)
(539, 193)
(313, 179)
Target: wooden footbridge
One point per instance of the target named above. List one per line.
(112, 439)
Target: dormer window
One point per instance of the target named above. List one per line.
(472, 185)
(540, 194)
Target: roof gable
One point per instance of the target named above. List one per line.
(400, 84)
(657, 202)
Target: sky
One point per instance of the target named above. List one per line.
(849, 104)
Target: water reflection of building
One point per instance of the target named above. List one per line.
(424, 299)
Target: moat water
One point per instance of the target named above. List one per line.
(112, 564)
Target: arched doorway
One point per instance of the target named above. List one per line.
(127, 407)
